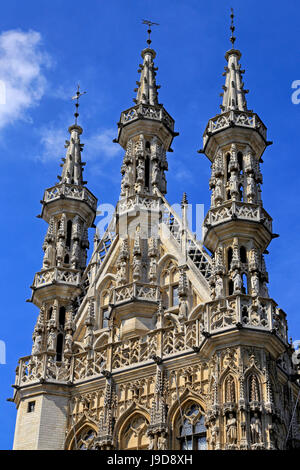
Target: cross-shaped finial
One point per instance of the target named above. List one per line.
(149, 31)
(76, 97)
(232, 27)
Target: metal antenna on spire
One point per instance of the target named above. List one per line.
(76, 97)
(149, 31)
(232, 27)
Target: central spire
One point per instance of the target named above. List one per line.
(234, 93)
(147, 88)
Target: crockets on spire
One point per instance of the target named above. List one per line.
(147, 88)
(72, 166)
(234, 93)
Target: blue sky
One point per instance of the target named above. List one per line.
(47, 47)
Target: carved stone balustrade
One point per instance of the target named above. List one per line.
(246, 311)
(70, 191)
(135, 290)
(220, 316)
(241, 210)
(137, 203)
(147, 111)
(56, 275)
(245, 119)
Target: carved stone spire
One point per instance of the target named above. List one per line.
(234, 93)
(147, 88)
(72, 166)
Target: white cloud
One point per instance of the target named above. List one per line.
(96, 145)
(22, 79)
(101, 143)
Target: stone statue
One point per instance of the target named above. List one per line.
(255, 429)
(234, 186)
(237, 282)
(137, 267)
(51, 342)
(183, 308)
(68, 343)
(254, 284)
(218, 197)
(37, 345)
(251, 189)
(219, 287)
(162, 442)
(151, 443)
(231, 429)
(60, 251)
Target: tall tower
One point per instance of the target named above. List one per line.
(155, 344)
(69, 209)
(248, 331)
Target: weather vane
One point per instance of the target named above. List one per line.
(232, 27)
(76, 97)
(149, 31)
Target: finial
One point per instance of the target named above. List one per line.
(184, 200)
(76, 97)
(149, 31)
(232, 27)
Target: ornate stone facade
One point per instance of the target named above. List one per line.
(155, 344)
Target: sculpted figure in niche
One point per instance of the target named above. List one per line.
(237, 282)
(51, 340)
(219, 287)
(255, 429)
(162, 442)
(37, 345)
(231, 429)
(68, 343)
(254, 284)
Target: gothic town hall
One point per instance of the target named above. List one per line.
(160, 341)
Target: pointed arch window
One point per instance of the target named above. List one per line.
(240, 161)
(229, 257)
(191, 428)
(147, 172)
(170, 281)
(69, 233)
(84, 440)
(134, 434)
(59, 347)
(243, 254)
(227, 168)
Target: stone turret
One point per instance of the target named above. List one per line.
(69, 208)
(145, 132)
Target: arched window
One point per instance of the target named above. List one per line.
(240, 161)
(134, 433)
(245, 284)
(191, 428)
(62, 317)
(147, 172)
(230, 287)
(241, 192)
(227, 167)
(49, 313)
(69, 233)
(170, 281)
(243, 254)
(105, 300)
(84, 440)
(59, 346)
(229, 257)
